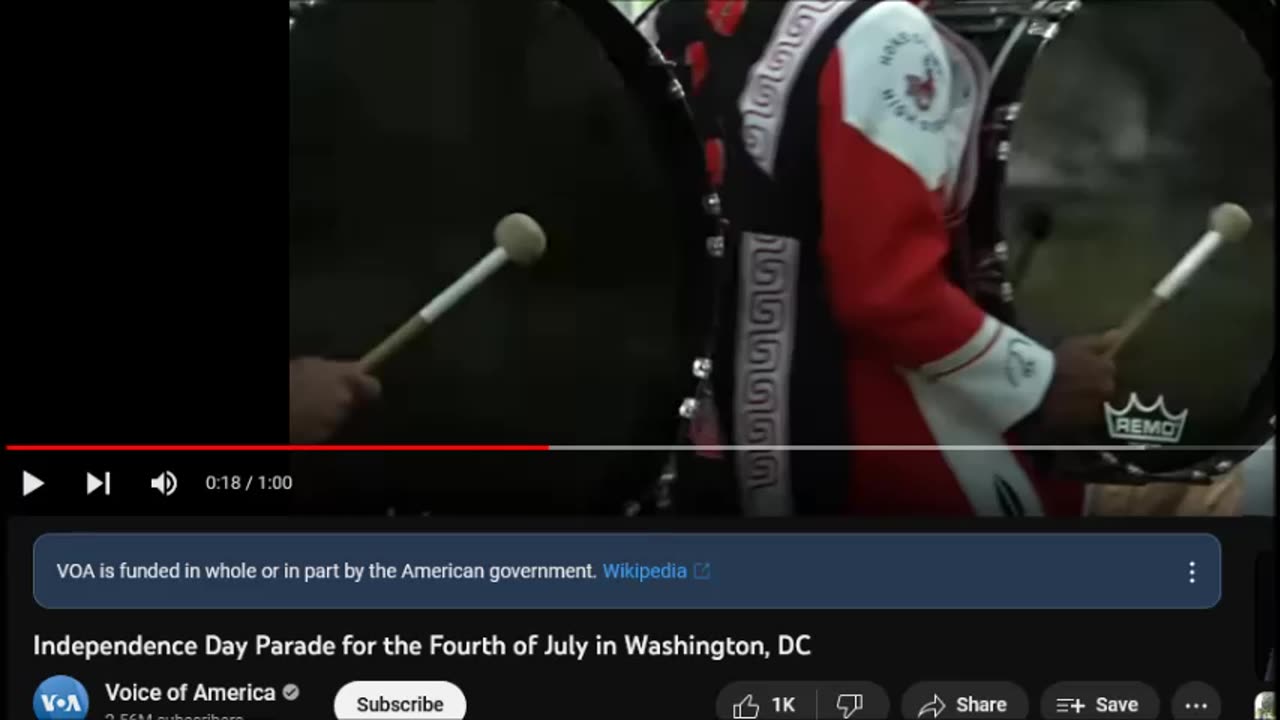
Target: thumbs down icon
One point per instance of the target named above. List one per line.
(849, 704)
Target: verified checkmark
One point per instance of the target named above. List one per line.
(702, 571)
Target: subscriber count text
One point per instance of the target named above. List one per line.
(627, 571)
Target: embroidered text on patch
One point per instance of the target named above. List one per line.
(916, 96)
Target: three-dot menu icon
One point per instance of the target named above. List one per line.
(1195, 701)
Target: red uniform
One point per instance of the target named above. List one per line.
(923, 365)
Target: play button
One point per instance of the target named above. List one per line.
(30, 483)
(93, 483)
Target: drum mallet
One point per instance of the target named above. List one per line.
(518, 238)
(1227, 223)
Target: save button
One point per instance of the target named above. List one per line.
(400, 700)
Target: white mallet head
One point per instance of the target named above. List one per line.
(1230, 221)
(521, 237)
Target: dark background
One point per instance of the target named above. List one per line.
(1267, 611)
(145, 268)
(894, 649)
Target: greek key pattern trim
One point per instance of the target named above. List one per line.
(764, 101)
(768, 269)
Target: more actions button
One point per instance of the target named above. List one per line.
(966, 700)
(1196, 701)
(1101, 701)
(400, 700)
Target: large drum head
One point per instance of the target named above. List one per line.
(416, 126)
(1136, 121)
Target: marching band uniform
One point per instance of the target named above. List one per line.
(842, 136)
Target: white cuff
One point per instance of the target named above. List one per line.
(1001, 372)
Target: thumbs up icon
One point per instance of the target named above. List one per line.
(746, 709)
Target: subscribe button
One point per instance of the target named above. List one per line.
(400, 700)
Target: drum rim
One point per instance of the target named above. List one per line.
(637, 59)
(648, 74)
(1256, 423)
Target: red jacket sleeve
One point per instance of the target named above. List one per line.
(884, 149)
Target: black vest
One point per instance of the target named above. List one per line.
(780, 366)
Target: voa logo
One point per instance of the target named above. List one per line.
(61, 697)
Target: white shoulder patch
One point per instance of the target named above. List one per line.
(896, 87)
(648, 26)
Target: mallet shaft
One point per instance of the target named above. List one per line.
(451, 295)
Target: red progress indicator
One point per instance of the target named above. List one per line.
(277, 448)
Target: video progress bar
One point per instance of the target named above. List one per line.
(636, 448)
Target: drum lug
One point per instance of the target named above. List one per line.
(715, 246)
(1223, 467)
(297, 6)
(675, 90)
(1110, 459)
(657, 59)
(1062, 8)
(1003, 149)
(967, 19)
(711, 204)
(702, 368)
(1043, 28)
(688, 407)
(1006, 291)
(1199, 475)
(666, 480)
(1134, 470)
(1001, 250)
(1008, 113)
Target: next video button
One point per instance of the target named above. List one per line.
(400, 700)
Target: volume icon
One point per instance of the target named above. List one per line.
(165, 483)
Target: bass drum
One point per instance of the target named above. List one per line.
(414, 127)
(1113, 129)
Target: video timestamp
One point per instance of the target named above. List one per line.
(249, 483)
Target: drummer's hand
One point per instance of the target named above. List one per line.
(1083, 380)
(323, 394)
